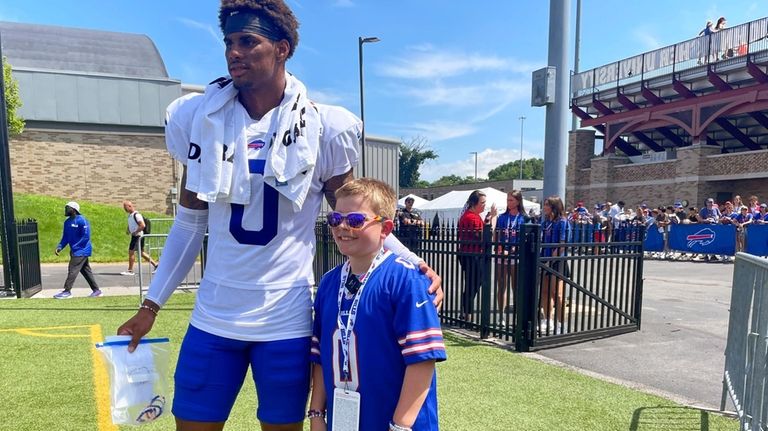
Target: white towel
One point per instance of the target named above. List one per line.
(294, 144)
(221, 170)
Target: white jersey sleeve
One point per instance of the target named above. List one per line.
(178, 125)
(340, 140)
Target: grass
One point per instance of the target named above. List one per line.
(108, 226)
(47, 381)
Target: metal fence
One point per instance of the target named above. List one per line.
(26, 280)
(745, 379)
(153, 244)
(498, 284)
(748, 40)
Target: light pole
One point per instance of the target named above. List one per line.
(522, 121)
(360, 41)
(475, 153)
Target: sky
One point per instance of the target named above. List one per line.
(455, 74)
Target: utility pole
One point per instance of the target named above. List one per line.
(522, 121)
(8, 236)
(475, 153)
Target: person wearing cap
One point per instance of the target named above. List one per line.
(762, 217)
(76, 235)
(282, 154)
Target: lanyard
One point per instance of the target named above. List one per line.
(346, 331)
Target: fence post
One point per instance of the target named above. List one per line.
(638, 308)
(325, 255)
(485, 286)
(526, 307)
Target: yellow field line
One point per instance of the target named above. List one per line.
(45, 328)
(100, 383)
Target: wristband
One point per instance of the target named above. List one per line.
(150, 308)
(312, 413)
(395, 427)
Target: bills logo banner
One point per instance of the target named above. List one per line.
(703, 238)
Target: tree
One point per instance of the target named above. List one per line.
(533, 169)
(453, 180)
(412, 155)
(12, 101)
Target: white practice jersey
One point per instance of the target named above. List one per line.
(259, 259)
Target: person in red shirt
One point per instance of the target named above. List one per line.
(470, 234)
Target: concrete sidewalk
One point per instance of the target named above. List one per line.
(108, 277)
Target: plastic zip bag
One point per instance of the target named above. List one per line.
(138, 380)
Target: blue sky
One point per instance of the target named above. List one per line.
(454, 72)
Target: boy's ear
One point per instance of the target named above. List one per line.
(387, 226)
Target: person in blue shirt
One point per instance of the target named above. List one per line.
(76, 235)
(507, 227)
(554, 230)
(375, 337)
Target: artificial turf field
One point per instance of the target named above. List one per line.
(52, 378)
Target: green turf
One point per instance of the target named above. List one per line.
(108, 226)
(46, 383)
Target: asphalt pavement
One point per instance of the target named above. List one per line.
(678, 353)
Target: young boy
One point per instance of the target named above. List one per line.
(376, 337)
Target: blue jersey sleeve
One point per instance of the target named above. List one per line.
(324, 294)
(416, 323)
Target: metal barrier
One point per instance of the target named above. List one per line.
(597, 285)
(745, 379)
(748, 40)
(153, 245)
(26, 280)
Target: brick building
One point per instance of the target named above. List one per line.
(94, 105)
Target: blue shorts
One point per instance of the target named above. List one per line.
(211, 371)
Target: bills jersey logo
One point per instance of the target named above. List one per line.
(256, 145)
(703, 237)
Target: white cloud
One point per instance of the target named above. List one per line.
(487, 160)
(207, 28)
(426, 62)
(440, 94)
(327, 97)
(436, 131)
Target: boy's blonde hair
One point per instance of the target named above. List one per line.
(379, 195)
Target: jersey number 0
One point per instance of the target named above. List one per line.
(268, 229)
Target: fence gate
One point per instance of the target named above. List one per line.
(497, 282)
(26, 279)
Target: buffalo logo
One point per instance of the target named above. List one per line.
(703, 237)
(256, 145)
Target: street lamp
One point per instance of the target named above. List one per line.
(475, 153)
(522, 121)
(360, 41)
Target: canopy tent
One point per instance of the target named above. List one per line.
(448, 206)
(417, 201)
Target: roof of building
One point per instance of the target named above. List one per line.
(45, 47)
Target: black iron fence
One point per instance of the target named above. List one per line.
(528, 286)
(26, 280)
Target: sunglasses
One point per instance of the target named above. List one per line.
(354, 220)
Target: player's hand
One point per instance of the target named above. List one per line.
(436, 285)
(57, 251)
(137, 326)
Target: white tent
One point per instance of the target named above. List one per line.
(448, 206)
(417, 201)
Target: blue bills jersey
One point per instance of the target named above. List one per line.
(396, 326)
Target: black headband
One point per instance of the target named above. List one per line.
(249, 22)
